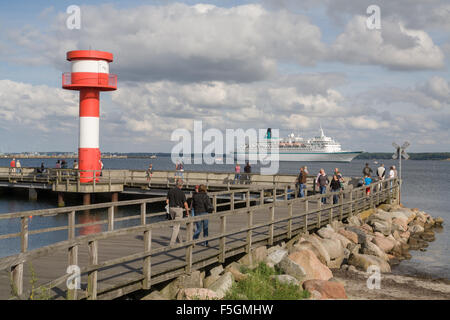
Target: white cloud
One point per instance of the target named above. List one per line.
(178, 42)
(393, 46)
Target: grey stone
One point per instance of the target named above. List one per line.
(286, 279)
(222, 285)
(275, 256)
(216, 270)
(293, 269)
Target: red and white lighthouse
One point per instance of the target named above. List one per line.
(90, 75)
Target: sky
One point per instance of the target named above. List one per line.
(286, 64)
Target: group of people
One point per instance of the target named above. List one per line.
(238, 177)
(199, 204)
(15, 166)
(381, 175)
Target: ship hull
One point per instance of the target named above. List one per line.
(344, 156)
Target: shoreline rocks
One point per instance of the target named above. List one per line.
(381, 238)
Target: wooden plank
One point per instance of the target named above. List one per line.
(222, 244)
(92, 276)
(147, 268)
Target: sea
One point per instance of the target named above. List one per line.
(426, 185)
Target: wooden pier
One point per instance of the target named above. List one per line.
(116, 261)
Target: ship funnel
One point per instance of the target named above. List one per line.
(269, 133)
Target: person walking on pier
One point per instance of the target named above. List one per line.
(381, 173)
(18, 166)
(237, 173)
(247, 170)
(367, 171)
(176, 199)
(12, 166)
(202, 206)
(322, 182)
(301, 180)
(149, 173)
(335, 186)
(367, 182)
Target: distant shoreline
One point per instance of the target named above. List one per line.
(442, 156)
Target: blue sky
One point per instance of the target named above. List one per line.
(232, 64)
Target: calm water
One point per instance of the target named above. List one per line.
(426, 185)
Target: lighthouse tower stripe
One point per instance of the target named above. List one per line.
(94, 66)
(89, 132)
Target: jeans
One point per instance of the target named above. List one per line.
(335, 197)
(237, 177)
(301, 192)
(323, 189)
(199, 225)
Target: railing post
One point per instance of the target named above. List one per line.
(143, 213)
(232, 200)
(319, 214)
(289, 227)
(215, 203)
(222, 244)
(341, 205)
(261, 196)
(272, 218)
(111, 218)
(72, 255)
(248, 199)
(92, 275)
(249, 232)
(17, 270)
(285, 193)
(189, 229)
(147, 268)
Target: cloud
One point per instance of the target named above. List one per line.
(393, 46)
(177, 42)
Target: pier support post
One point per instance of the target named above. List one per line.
(86, 199)
(32, 194)
(61, 199)
(114, 197)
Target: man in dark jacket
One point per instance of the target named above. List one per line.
(202, 205)
(176, 199)
(302, 181)
(367, 171)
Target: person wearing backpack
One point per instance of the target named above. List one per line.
(202, 206)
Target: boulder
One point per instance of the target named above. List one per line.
(197, 294)
(364, 261)
(368, 229)
(400, 224)
(222, 285)
(353, 237)
(371, 248)
(259, 254)
(336, 225)
(326, 289)
(354, 248)
(329, 233)
(304, 265)
(439, 221)
(193, 280)
(309, 246)
(410, 215)
(333, 247)
(361, 233)
(234, 268)
(427, 236)
(315, 240)
(354, 221)
(275, 256)
(382, 226)
(384, 244)
(285, 279)
(416, 228)
(336, 263)
(210, 280)
(216, 270)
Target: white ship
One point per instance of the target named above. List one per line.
(295, 148)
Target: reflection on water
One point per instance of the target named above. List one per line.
(87, 217)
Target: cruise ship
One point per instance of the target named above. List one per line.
(294, 148)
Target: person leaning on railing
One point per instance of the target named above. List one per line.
(202, 206)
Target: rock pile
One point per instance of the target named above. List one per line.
(382, 240)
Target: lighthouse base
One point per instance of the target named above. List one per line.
(89, 164)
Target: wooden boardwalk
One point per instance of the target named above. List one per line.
(120, 261)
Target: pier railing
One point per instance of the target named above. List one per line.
(68, 180)
(264, 216)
